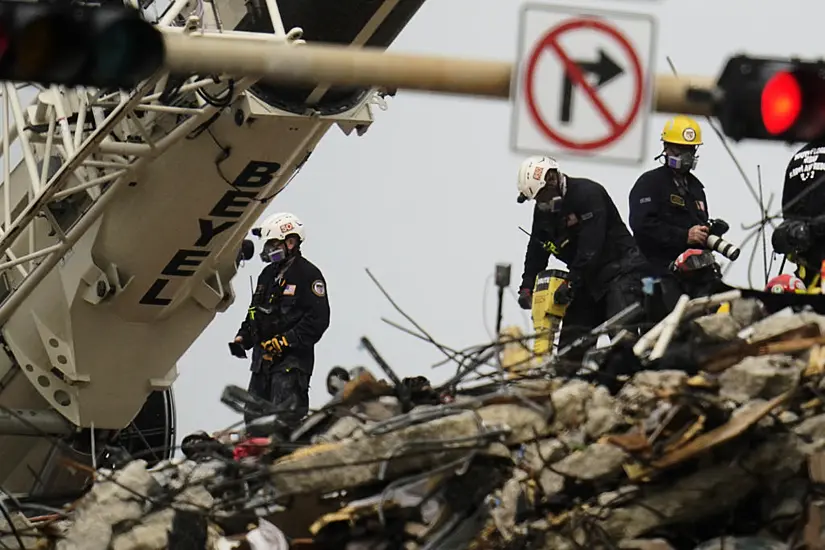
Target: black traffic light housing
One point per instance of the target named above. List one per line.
(772, 99)
(101, 46)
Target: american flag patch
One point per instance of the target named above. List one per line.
(289, 290)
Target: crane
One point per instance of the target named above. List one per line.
(123, 214)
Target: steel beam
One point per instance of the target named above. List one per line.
(34, 423)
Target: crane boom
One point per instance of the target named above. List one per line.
(122, 220)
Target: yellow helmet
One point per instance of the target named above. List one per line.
(682, 130)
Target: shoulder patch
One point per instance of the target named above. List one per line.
(319, 288)
(586, 216)
(644, 200)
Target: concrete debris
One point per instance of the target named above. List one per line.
(717, 328)
(760, 377)
(716, 443)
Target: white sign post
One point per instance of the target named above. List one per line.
(584, 83)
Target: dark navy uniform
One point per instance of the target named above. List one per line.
(664, 205)
(662, 211)
(804, 169)
(290, 305)
(589, 236)
(803, 201)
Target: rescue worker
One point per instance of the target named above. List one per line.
(288, 315)
(801, 235)
(668, 207)
(575, 220)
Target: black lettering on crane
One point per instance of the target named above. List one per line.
(232, 205)
(183, 258)
(232, 199)
(209, 230)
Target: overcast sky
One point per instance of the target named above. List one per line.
(426, 199)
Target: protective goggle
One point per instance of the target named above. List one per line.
(549, 198)
(553, 205)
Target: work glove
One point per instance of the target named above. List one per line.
(237, 350)
(276, 345)
(550, 247)
(563, 294)
(525, 298)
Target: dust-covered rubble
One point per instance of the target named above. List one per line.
(716, 442)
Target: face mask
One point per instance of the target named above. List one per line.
(683, 162)
(549, 198)
(553, 205)
(273, 253)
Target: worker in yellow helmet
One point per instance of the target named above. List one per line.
(668, 208)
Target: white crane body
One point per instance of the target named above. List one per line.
(122, 247)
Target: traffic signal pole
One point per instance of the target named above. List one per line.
(209, 53)
(114, 47)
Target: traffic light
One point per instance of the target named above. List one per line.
(772, 99)
(101, 46)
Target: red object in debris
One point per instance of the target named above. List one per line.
(692, 259)
(785, 283)
(255, 446)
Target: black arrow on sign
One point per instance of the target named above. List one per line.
(605, 70)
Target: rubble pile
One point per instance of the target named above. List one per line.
(706, 433)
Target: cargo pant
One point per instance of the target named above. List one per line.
(586, 313)
(283, 383)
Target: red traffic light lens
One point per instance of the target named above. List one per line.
(781, 102)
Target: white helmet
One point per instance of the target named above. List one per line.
(532, 173)
(278, 226)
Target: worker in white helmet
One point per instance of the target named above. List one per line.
(288, 315)
(575, 220)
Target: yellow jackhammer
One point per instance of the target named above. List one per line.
(547, 315)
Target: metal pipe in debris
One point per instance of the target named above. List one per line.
(670, 325)
(714, 300)
(649, 338)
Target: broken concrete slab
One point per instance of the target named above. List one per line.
(597, 462)
(762, 377)
(545, 462)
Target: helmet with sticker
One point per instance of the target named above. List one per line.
(682, 130)
(533, 175)
(681, 138)
(693, 260)
(279, 226)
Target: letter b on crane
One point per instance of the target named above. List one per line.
(102, 46)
